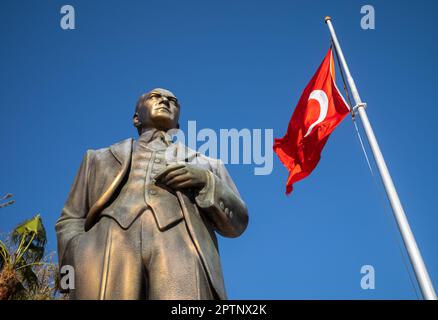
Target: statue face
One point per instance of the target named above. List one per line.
(158, 109)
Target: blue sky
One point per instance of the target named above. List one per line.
(235, 64)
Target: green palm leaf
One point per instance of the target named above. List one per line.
(30, 237)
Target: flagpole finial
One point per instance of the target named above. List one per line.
(327, 18)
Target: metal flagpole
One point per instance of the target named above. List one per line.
(408, 237)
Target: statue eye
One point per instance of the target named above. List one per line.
(174, 100)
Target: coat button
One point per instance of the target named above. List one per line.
(157, 160)
(152, 192)
(230, 214)
(221, 204)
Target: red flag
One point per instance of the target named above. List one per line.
(320, 109)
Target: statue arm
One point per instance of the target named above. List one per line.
(72, 219)
(221, 203)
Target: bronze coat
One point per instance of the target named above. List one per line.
(103, 172)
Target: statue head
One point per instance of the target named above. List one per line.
(159, 109)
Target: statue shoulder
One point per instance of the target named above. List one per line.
(98, 154)
(121, 144)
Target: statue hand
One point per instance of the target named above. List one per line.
(181, 176)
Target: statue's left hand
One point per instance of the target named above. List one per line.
(182, 176)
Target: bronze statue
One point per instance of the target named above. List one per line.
(141, 216)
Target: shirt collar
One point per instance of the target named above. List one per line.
(152, 134)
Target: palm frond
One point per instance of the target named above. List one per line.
(30, 237)
(5, 256)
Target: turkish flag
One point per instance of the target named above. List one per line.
(320, 109)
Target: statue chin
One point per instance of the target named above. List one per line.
(164, 123)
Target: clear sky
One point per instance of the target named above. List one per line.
(235, 64)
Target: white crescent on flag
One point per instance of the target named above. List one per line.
(321, 97)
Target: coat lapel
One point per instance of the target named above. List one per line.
(122, 152)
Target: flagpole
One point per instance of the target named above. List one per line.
(408, 237)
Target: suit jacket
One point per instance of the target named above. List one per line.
(102, 174)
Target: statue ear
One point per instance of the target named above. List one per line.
(135, 121)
